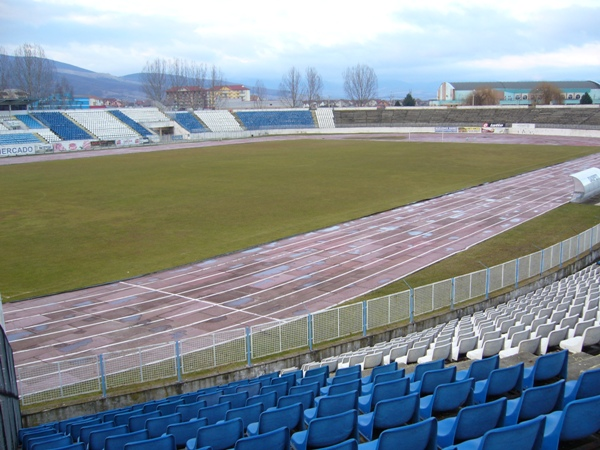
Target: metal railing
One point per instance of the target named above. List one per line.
(44, 382)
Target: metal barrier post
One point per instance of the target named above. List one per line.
(248, 347)
(517, 273)
(178, 360)
(364, 317)
(310, 331)
(2, 314)
(102, 374)
(452, 293)
(560, 256)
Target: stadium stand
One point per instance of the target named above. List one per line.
(102, 124)
(48, 135)
(130, 122)
(18, 138)
(62, 126)
(325, 118)
(145, 115)
(29, 121)
(219, 121)
(190, 122)
(281, 119)
(576, 294)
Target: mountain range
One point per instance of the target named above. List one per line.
(129, 87)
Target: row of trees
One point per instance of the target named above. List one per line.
(30, 71)
(360, 85)
(543, 94)
(161, 75)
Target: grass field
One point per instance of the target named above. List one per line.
(80, 222)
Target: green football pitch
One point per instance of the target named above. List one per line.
(80, 222)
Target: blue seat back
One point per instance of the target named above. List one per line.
(528, 434)
(541, 400)
(291, 416)
(348, 444)
(269, 399)
(185, 431)
(237, 399)
(211, 398)
(433, 378)
(389, 389)
(97, 438)
(189, 411)
(306, 398)
(158, 425)
(551, 365)
(248, 414)
(451, 396)
(394, 412)
(84, 433)
(166, 442)
(220, 436)
(340, 388)
(420, 435)
(320, 378)
(74, 428)
(420, 369)
(330, 430)
(169, 407)
(504, 380)
(333, 404)
(388, 376)
(251, 389)
(580, 419)
(344, 371)
(588, 384)
(278, 439)
(476, 420)
(214, 413)
(482, 368)
(313, 387)
(50, 442)
(117, 442)
(340, 379)
(323, 370)
(386, 368)
(280, 388)
(138, 421)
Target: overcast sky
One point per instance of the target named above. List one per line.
(409, 43)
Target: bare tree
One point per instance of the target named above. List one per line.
(154, 79)
(215, 83)
(260, 94)
(33, 72)
(360, 84)
(5, 69)
(178, 71)
(290, 88)
(313, 86)
(64, 93)
(546, 94)
(483, 96)
(197, 81)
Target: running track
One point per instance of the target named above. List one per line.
(286, 278)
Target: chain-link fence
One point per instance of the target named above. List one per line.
(99, 374)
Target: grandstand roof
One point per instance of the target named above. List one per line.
(505, 85)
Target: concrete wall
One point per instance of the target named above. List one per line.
(32, 417)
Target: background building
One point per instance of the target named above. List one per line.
(515, 92)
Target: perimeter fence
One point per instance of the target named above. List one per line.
(43, 382)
